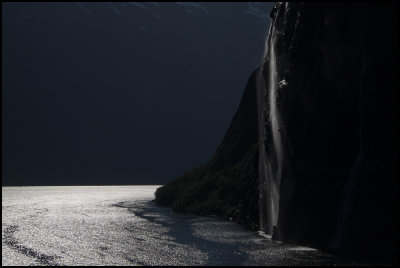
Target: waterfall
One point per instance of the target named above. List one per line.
(270, 165)
(276, 137)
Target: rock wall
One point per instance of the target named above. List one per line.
(338, 122)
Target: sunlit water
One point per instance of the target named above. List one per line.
(119, 225)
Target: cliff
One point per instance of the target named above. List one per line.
(339, 132)
(228, 184)
(311, 154)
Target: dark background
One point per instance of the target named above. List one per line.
(121, 93)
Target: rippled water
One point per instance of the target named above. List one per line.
(119, 225)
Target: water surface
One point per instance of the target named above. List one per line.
(120, 225)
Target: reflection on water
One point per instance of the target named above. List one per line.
(119, 225)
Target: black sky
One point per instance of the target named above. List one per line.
(121, 93)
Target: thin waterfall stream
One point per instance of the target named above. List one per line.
(269, 172)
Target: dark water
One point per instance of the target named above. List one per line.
(119, 225)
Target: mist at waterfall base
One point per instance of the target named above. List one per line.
(121, 93)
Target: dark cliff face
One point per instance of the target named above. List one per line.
(338, 112)
(330, 82)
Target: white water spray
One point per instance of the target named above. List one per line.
(276, 136)
(269, 177)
